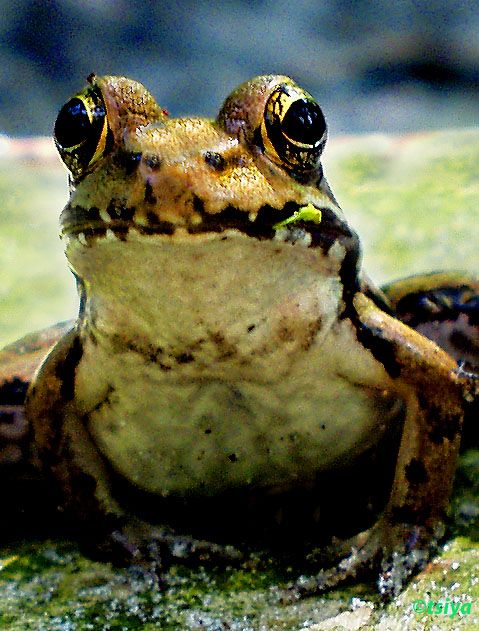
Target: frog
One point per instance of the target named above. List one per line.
(228, 344)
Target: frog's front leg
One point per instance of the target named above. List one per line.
(86, 482)
(444, 306)
(435, 392)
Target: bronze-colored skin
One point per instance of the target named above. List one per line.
(228, 344)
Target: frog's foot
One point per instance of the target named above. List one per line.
(154, 549)
(392, 553)
(13, 435)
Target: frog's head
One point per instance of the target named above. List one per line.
(227, 215)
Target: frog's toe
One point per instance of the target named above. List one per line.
(154, 548)
(205, 551)
(390, 553)
(397, 569)
(359, 564)
(120, 546)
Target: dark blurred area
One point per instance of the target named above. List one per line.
(373, 65)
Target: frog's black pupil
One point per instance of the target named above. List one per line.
(304, 122)
(72, 124)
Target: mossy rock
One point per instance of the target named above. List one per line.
(414, 202)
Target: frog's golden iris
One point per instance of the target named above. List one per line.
(82, 134)
(293, 129)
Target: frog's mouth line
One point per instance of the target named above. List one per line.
(87, 226)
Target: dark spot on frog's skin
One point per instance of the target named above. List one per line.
(323, 426)
(79, 215)
(152, 162)
(214, 160)
(93, 233)
(117, 209)
(233, 458)
(312, 330)
(128, 160)
(65, 371)
(152, 218)
(185, 358)
(382, 349)
(156, 225)
(258, 139)
(348, 274)
(285, 334)
(13, 391)
(149, 353)
(438, 433)
(198, 205)
(208, 430)
(225, 349)
(149, 197)
(106, 400)
(94, 214)
(251, 328)
(410, 515)
(440, 426)
(333, 229)
(416, 472)
(436, 436)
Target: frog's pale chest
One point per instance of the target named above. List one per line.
(177, 434)
(257, 388)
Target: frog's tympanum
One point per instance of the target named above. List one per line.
(229, 351)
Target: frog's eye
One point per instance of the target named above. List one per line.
(82, 133)
(293, 129)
